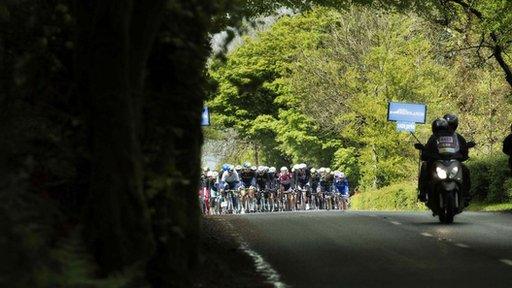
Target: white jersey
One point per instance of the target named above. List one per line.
(229, 178)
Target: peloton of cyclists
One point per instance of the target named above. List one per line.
(246, 188)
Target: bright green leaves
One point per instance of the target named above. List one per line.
(253, 95)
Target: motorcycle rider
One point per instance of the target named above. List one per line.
(507, 148)
(453, 124)
(442, 145)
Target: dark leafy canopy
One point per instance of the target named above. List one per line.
(100, 107)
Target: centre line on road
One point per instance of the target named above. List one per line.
(427, 234)
(462, 245)
(506, 261)
(395, 223)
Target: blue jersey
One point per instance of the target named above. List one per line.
(341, 186)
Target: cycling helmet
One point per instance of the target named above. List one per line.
(327, 170)
(337, 174)
(254, 168)
(313, 170)
(246, 165)
(342, 175)
(453, 121)
(440, 124)
(272, 170)
(238, 167)
(231, 168)
(303, 166)
(284, 169)
(225, 167)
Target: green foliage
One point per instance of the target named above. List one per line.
(400, 196)
(346, 160)
(490, 179)
(253, 98)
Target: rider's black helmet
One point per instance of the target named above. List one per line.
(453, 121)
(440, 124)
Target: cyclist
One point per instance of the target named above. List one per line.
(230, 181)
(314, 181)
(341, 187)
(285, 179)
(248, 185)
(326, 186)
(302, 184)
(273, 186)
(262, 183)
(285, 184)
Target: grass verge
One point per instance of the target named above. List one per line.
(396, 197)
(490, 207)
(402, 197)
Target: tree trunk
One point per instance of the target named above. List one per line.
(117, 223)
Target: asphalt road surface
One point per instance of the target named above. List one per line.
(378, 249)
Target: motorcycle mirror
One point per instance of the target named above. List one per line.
(419, 146)
(471, 144)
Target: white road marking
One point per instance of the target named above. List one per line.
(506, 261)
(461, 245)
(427, 234)
(395, 223)
(262, 266)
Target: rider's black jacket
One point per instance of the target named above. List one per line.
(507, 145)
(432, 149)
(262, 181)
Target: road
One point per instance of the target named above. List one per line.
(378, 249)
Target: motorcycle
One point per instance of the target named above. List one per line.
(445, 194)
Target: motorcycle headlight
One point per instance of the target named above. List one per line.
(441, 173)
(454, 172)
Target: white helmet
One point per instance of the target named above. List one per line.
(342, 175)
(337, 174)
(272, 170)
(303, 166)
(284, 169)
(327, 170)
(313, 170)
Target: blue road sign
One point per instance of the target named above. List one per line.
(205, 117)
(405, 126)
(407, 112)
